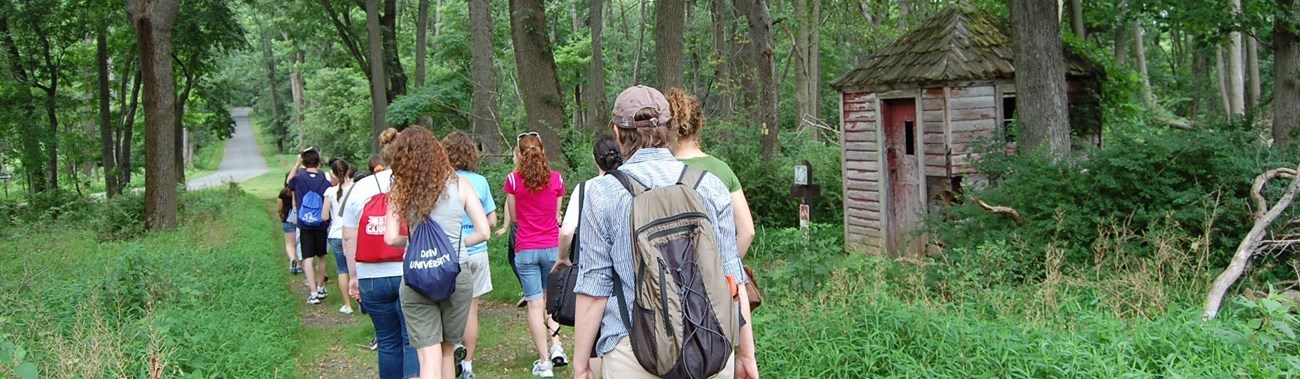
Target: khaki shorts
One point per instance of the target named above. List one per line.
(621, 363)
(429, 323)
(480, 273)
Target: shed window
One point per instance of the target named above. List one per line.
(1008, 118)
(909, 136)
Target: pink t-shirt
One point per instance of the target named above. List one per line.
(535, 212)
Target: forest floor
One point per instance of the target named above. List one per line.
(336, 345)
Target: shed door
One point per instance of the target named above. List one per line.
(904, 207)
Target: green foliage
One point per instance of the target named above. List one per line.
(767, 183)
(338, 123)
(97, 310)
(1193, 184)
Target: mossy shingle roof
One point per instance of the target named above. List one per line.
(958, 43)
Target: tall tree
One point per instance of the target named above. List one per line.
(392, 60)
(421, 40)
(670, 28)
(1252, 72)
(484, 123)
(272, 78)
(1040, 78)
(1076, 19)
(153, 21)
(543, 101)
(1140, 50)
(378, 92)
(33, 161)
(723, 77)
(760, 28)
(1236, 75)
(806, 63)
(1286, 73)
(597, 109)
(105, 113)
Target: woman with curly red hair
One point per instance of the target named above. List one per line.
(426, 187)
(534, 193)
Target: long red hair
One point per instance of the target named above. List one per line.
(420, 173)
(532, 165)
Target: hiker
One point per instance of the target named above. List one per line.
(428, 193)
(609, 268)
(464, 156)
(289, 225)
(688, 121)
(534, 193)
(608, 156)
(508, 229)
(309, 186)
(343, 173)
(376, 267)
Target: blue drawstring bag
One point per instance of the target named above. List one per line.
(431, 263)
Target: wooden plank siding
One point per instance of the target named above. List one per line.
(861, 162)
(972, 116)
(934, 138)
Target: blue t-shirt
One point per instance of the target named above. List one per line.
(305, 181)
(485, 197)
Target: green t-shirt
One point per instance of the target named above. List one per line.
(718, 168)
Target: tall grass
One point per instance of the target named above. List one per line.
(205, 300)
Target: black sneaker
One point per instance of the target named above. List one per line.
(293, 267)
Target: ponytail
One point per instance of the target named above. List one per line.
(533, 166)
(341, 170)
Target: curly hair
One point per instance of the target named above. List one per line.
(687, 119)
(420, 173)
(461, 150)
(532, 165)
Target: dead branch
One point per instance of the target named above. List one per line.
(1262, 180)
(1006, 211)
(1253, 240)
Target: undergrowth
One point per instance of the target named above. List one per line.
(199, 301)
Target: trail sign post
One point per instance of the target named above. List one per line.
(806, 191)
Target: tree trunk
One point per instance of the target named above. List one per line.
(106, 141)
(421, 41)
(1076, 19)
(297, 87)
(1236, 75)
(1225, 88)
(128, 132)
(378, 92)
(187, 84)
(346, 35)
(670, 20)
(802, 65)
(760, 26)
(1140, 49)
(153, 21)
(1121, 43)
(437, 19)
(30, 136)
(1286, 74)
(51, 105)
(1040, 78)
(268, 56)
(746, 67)
(543, 101)
(1252, 73)
(597, 109)
(815, 62)
(640, 47)
(485, 126)
(392, 61)
(723, 77)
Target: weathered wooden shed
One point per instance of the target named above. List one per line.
(913, 113)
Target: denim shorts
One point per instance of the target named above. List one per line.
(534, 266)
(340, 260)
(287, 227)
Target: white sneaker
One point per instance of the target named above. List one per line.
(345, 310)
(312, 299)
(543, 369)
(557, 356)
(321, 293)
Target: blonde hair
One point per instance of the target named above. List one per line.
(687, 118)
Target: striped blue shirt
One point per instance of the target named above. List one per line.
(607, 240)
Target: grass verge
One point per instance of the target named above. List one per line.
(195, 301)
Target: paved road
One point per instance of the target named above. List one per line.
(242, 160)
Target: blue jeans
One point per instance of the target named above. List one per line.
(533, 267)
(340, 260)
(379, 298)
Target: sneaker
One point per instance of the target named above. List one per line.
(312, 299)
(460, 358)
(321, 293)
(293, 267)
(522, 303)
(557, 356)
(543, 369)
(469, 374)
(374, 344)
(345, 310)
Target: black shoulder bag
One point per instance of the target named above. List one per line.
(560, 298)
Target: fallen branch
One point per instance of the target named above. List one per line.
(1253, 240)
(1262, 180)
(1006, 211)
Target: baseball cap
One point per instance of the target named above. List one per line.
(636, 98)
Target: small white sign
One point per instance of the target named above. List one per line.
(805, 215)
(801, 175)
